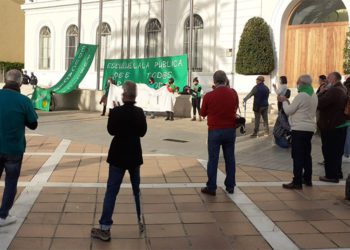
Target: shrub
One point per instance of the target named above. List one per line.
(6, 66)
(255, 53)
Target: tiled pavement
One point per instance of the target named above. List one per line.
(62, 187)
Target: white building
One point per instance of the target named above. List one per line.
(308, 35)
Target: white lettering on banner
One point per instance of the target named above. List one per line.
(121, 75)
(168, 64)
(128, 65)
(162, 75)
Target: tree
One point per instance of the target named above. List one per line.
(346, 64)
(255, 53)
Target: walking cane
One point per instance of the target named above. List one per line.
(140, 218)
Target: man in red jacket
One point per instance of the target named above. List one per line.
(220, 105)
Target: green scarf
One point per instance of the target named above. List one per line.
(306, 89)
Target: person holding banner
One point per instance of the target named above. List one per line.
(170, 99)
(152, 85)
(105, 95)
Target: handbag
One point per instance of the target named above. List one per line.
(240, 122)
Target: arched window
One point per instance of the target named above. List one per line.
(153, 36)
(105, 43)
(197, 49)
(319, 11)
(137, 47)
(44, 48)
(71, 43)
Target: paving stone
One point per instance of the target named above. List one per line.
(331, 226)
(43, 218)
(36, 231)
(73, 231)
(341, 239)
(165, 230)
(125, 244)
(65, 243)
(312, 241)
(296, 227)
(30, 243)
(173, 243)
(249, 242)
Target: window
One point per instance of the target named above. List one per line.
(137, 47)
(197, 49)
(44, 48)
(319, 11)
(71, 43)
(105, 43)
(153, 36)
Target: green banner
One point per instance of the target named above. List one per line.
(71, 79)
(140, 70)
(41, 99)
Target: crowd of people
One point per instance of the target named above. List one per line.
(127, 124)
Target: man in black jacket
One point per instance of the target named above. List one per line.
(331, 104)
(127, 124)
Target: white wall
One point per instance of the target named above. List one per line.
(220, 35)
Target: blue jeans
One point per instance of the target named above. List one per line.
(12, 166)
(225, 138)
(347, 143)
(115, 179)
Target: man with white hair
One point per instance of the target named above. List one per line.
(127, 123)
(302, 119)
(16, 113)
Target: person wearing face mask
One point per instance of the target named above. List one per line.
(302, 119)
(105, 95)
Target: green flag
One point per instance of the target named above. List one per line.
(41, 99)
(71, 79)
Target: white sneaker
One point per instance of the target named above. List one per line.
(8, 220)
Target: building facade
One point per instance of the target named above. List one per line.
(12, 31)
(308, 35)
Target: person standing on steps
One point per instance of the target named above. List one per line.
(260, 105)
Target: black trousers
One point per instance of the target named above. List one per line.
(262, 111)
(333, 148)
(196, 105)
(301, 154)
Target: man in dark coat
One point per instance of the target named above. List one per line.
(261, 104)
(331, 104)
(127, 123)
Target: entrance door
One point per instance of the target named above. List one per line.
(315, 49)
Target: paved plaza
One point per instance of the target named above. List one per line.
(64, 175)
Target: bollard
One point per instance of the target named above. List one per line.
(347, 188)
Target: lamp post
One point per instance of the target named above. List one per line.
(79, 20)
(99, 45)
(129, 31)
(190, 45)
